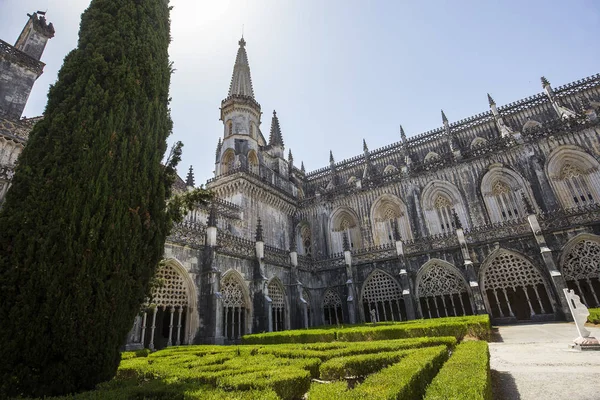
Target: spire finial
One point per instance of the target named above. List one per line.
(545, 81)
(290, 156)
(444, 119)
(275, 139)
(402, 134)
(242, 42)
(331, 160)
(189, 181)
(365, 147)
(302, 166)
(490, 100)
(241, 81)
(259, 231)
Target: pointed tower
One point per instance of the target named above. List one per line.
(275, 138)
(240, 113)
(189, 180)
(20, 65)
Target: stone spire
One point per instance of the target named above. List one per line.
(290, 156)
(189, 181)
(331, 159)
(241, 82)
(490, 100)
(259, 231)
(302, 166)
(444, 119)
(275, 139)
(402, 134)
(365, 147)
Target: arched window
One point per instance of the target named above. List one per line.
(478, 142)
(332, 308)
(228, 161)
(306, 238)
(575, 176)
(513, 287)
(389, 213)
(502, 190)
(234, 307)
(442, 291)
(390, 169)
(382, 298)
(431, 156)
(253, 162)
(277, 295)
(345, 220)
(581, 269)
(441, 200)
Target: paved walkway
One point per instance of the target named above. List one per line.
(533, 361)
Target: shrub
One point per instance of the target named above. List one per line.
(288, 383)
(465, 376)
(406, 379)
(594, 316)
(477, 326)
(360, 365)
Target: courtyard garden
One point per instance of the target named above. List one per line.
(431, 359)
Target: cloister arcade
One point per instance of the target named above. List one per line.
(333, 313)
(236, 306)
(382, 294)
(513, 287)
(442, 291)
(580, 263)
(278, 308)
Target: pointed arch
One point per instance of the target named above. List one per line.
(502, 190)
(345, 220)
(304, 238)
(513, 287)
(279, 304)
(387, 213)
(574, 176)
(332, 308)
(580, 266)
(390, 169)
(381, 297)
(352, 179)
(253, 161)
(442, 290)
(175, 296)
(227, 161)
(235, 298)
(431, 156)
(440, 199)
(531, 124)
(478, 142)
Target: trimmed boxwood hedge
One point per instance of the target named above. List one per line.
(594, 317)
(477, 326)
(466, 376)
(404, 380)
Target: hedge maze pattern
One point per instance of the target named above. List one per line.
(336, 367)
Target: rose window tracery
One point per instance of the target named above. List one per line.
(172, 291)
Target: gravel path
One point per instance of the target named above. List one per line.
(533, 361)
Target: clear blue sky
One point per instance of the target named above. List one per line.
(340, 71)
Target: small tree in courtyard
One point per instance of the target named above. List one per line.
(83, 226)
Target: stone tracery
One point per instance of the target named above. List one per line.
(383, 294)
(442, 292)
(277, 296)
(234, 307)
(581, 270)
(332, 308)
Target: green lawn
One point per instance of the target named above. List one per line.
(393, 360)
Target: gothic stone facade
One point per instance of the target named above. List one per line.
(496, 214)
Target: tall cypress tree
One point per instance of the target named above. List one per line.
(84, 224)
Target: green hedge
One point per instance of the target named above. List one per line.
(404, 380)
(360, 365)
(477, 326)
(594, 316)
(466, 376)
